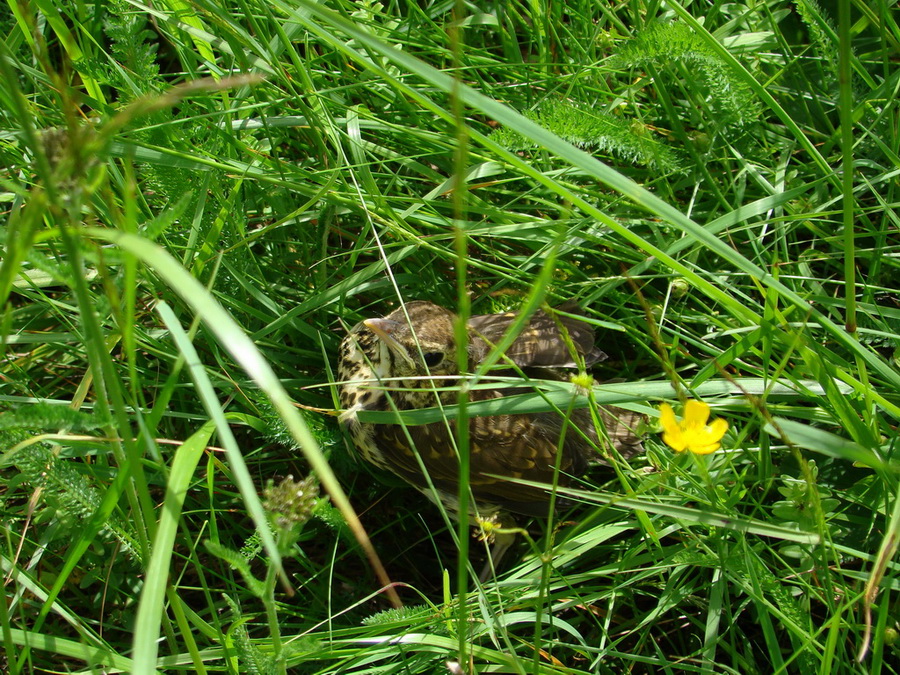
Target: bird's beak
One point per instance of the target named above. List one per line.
(383, 329)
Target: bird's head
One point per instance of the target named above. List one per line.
(422, 346)
(406, 355)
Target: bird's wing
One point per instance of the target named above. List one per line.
(490, 460)
(500, 447)
(540, 344)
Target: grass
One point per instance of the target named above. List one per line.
(201, 197)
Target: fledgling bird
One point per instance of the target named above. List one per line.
(408, 359)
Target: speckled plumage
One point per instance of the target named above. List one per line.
(413, 358)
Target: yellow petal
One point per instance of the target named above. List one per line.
(667, 418)
(717, 429)
(675, 440)
(672, 435)
(695, 413)
(705, 449)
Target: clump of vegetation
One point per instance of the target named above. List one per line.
(197, 205)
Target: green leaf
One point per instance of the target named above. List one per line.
(149, 615)
(827, 443)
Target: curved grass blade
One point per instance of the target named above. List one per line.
(245, 352)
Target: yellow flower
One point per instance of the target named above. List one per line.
(692, 432)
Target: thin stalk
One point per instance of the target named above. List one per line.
(849, 201)
(272, 618)
(461, 243)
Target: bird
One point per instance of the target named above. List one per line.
(408, 360)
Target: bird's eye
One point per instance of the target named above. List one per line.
(432, 358)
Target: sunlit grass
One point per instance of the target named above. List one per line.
(199, 202)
